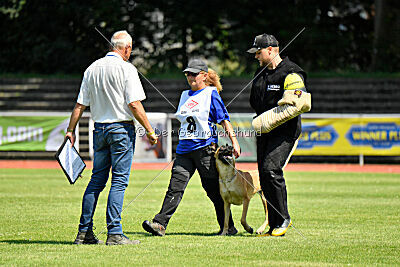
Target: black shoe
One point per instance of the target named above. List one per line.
(87, 238)
(119, 239)
(154, 228)
(282, 229)
(231, 231)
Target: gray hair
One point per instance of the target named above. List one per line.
(120, 40)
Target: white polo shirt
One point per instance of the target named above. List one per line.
(108, 86)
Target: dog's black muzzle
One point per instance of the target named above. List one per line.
(225, 154)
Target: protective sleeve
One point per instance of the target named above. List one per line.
(294, 102)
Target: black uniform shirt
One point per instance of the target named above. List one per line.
(268, 88)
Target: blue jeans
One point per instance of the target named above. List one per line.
(114, 145)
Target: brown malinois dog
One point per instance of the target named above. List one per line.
(237, 187)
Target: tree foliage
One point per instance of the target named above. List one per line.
(59, 36)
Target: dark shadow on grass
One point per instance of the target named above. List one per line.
(47, 242)
(185, 234)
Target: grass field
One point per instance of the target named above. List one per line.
(339, 219)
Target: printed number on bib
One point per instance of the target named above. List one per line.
(192, 124)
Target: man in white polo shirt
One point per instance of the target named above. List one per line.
(112, 89)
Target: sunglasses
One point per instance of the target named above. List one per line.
(188, 73)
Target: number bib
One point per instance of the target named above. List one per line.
(193, 112)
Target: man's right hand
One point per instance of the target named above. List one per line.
(71, 136)
(152, 138)
(140, 115)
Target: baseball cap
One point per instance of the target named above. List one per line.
(262, 41)
(196, 65)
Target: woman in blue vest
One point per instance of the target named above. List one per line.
(200, 108)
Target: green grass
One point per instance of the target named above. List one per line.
(339, 218)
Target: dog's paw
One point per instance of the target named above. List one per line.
(260, 230)
(224, 233)
(249, 230)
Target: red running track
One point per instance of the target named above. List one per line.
(371, 168)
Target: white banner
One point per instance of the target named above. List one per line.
(33, 131)
(144, 152)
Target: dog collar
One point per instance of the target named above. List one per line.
(230, 179)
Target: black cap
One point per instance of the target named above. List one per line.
(196, 65)
(263, 41)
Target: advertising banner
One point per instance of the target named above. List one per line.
(144, 152)
(368, 136)
(32, 133)
(346, 135)
(322, 135)
(246, 136)
(160, 152)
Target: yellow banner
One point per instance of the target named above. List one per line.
(350, 136)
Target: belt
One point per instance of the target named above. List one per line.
(128, 122)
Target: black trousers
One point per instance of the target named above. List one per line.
(183, 169)
(272, 154)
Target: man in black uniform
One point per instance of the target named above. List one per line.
(274, 148)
